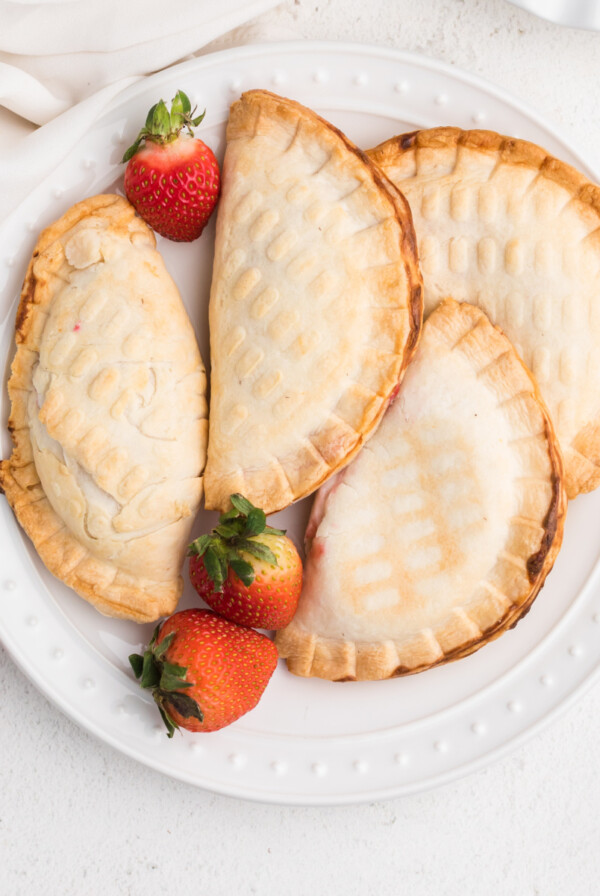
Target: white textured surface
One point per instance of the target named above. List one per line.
(77, 817)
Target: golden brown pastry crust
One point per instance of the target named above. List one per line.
(128, 566)
(556, 251)
(337, 593)
(316, 304)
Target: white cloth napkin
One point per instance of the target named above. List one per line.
(63, 61)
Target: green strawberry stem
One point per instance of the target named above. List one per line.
(222, 548)
(163, 126)
(164, 680)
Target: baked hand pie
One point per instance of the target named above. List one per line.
(315, 304)
(504, 225)
(439, 535)
(108, 412)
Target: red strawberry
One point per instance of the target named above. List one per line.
(247, 571)
(173, 179)
(204, 672)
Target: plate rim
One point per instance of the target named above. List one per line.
(238, 788)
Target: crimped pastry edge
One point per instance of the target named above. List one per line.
(582, 456)
(309, 655)
(265, 490)
(127, 596)
(512, 150)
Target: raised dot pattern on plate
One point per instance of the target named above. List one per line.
(24, 226)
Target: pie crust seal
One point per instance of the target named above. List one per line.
(440, 534)
(503, 224)
(108, 414)
(315, 306)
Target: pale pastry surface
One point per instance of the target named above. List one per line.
(504, 225)
(439, 535)
(315, 304)
(109, 412)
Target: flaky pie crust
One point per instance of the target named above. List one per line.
(108, 413)
(315, 307)
(504, 224)
(332, 634)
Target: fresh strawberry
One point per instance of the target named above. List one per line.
(172, 178)
(247, 571)
(204, 672)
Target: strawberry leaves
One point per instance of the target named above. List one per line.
(241, 504)
(182, 114)
(163, 126)
(165, 680)
(233, 536)
(215, 560)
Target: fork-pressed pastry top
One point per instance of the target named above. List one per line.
(439, 535)
(108, 412)
(504, 225)
(315, 303)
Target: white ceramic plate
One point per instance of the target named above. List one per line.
(573, 13)
(308, 741)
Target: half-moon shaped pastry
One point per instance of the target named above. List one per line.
(439, 535)
(108, 412)
(315, 304)
(504, 225)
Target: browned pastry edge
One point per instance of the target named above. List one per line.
(510, 149)
(542, 560)
(54, 231)
(539, 564)
(409, 248)
(215, 498)
(413, 275)
(121, 595)
(582, 456)
(415, 300)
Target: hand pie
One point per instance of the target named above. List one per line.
(503, 224)
(315, 304)
(108, 412)
(439, 535)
